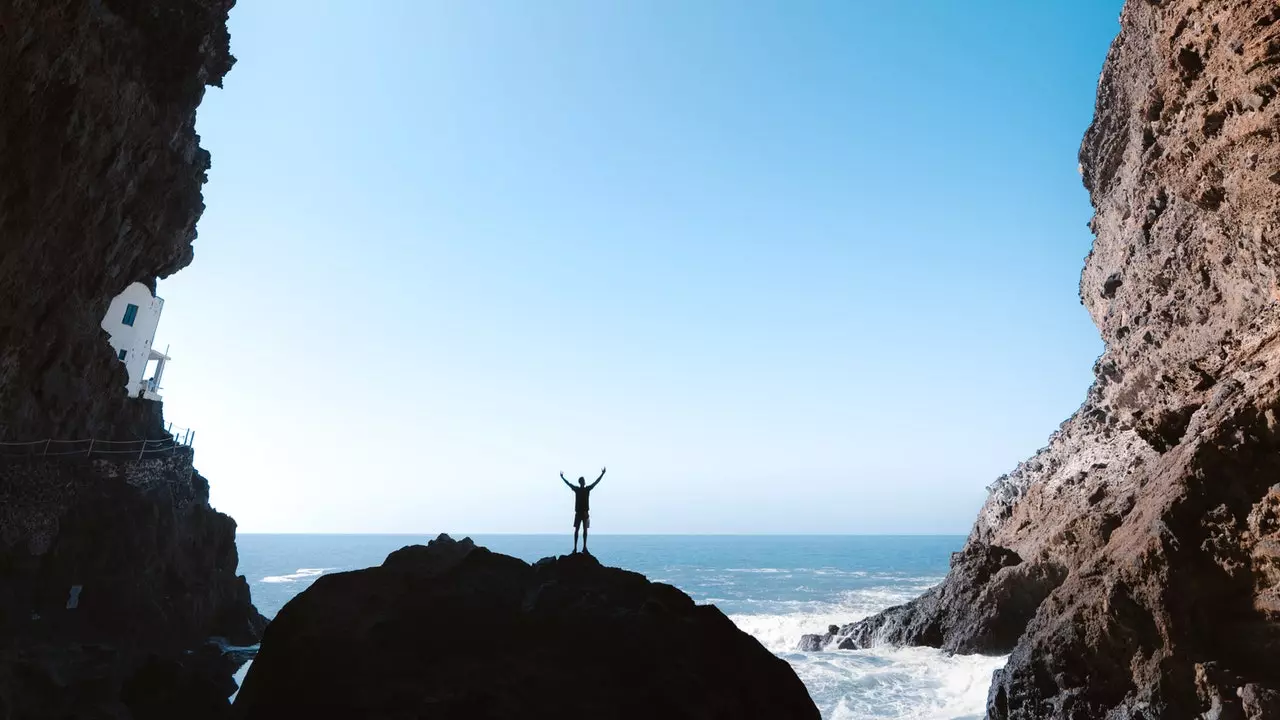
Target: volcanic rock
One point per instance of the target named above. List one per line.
(100, 189)
(452, 630)
(1132, 567)
(114, 570)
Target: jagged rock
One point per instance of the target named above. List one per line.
(147, 557)
(815, 642)
(1258, 702)
(456, 631)
(435, 557)
(984, 613)
(100, 189)
(100, 681)
(110, 572)
(1146, 532)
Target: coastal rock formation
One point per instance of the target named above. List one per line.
(452, 630)
(1132, 567)
(147, 556)
(114, 573)
(100, 189)
(111, 571)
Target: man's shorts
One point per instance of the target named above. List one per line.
(583, 519)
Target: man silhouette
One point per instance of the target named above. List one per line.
(581, 507)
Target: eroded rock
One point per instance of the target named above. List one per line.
(1146, 530)
(100, 189)
(113, 574)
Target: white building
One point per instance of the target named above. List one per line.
(131, 322)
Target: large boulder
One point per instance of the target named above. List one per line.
(452, 630)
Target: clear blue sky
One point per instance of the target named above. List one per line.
(783, 267)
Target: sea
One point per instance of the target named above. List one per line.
(776, 588)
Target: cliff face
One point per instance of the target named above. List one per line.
(1132, 567)
(451, 630)
(111, 570)
(154, 564)
(101, 188)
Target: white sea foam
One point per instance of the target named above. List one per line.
(300, 574)
(882, 682)
(781, 631)
(900, 683)
(929, 580)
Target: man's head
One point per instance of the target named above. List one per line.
(582, 482)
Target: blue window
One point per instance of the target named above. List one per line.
(122, 354)
(130, 314)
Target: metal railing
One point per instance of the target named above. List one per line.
(139, 449)
(183, 436)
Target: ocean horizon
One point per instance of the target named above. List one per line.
(460, 536)
(775, 587)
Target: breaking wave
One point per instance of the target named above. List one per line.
(299, 574)
(883, 682)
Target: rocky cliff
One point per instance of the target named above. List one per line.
(110, 570)
(100, 189)
(1132, 567)
(451, 630)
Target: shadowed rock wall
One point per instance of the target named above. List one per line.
(100, 177)
(100, 189)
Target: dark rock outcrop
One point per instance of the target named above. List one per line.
(1132, 567)
(152, 561)
(113, 573)
(66, 681)
(455, 631)
(990, 597)
(100, 189)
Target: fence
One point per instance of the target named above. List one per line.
(91, 447)
(185, 436)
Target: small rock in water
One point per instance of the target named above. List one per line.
(812, 643)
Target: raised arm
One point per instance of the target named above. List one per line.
(566, 482)
(597, 482)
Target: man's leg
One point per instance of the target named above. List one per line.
(575, 536)
(586, 525)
